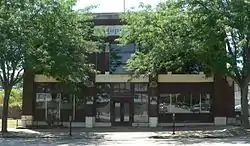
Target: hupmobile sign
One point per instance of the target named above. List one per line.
(109, 30)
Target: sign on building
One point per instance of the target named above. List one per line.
(109, 30)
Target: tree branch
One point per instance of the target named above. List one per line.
(229, 48)
(3, 70)
(237, 72)
(1, 78)
(14, 66)
(236, 79)
(17, 78)
(203, 5)
(233, 40)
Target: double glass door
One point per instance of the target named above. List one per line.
(122, 113)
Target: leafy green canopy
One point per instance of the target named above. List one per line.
(64, 41)
(185, 32)
(161, 36)
(48, 37)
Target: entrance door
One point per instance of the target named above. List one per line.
(121, 113)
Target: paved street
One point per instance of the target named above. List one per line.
(121, 138)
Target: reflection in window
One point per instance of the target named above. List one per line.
(40, 100)
(141, 87)
(43, 88)
(53, 106)
(80, 102)
(66, 102)
(122, 87)
(103, 104)
(141, 100)
(164, 103)
(195, 103)
(184, 103)
(205, 103)
(119, 55)
(141, 107)
(42, 94)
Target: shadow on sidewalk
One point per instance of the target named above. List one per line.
(135, 129)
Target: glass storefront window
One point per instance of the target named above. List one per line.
(119, 55)
(80, 103)
(164, 103)
(141, 107)
(66, 102)
(40, 100)
(102, 103)
(141, 87)
(122, 87)
(141, 100)
(184, 103)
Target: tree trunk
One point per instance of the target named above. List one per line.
(5, 109)
(244, 106)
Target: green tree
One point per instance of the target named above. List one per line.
(213, 34)
(48, 37)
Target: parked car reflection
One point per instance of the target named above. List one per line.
(200, 107)
(237, 109)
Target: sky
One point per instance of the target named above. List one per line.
(113, 5)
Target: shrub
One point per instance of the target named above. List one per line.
(15, 97)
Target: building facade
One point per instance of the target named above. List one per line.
(113, 98)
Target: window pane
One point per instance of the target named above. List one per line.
(53, 103)
(164, 103)
(122, 48)
(43, 88)
(116, 87)
(205, 103)
(141, 87)
(80, 103)
(184, 103)
(180, 103)
(121, 87)
(103, 105)
(141, 108)
(40, 100)
(119, 56)
(195, 103)
(121, 69)
(66, 102)
(126, 112)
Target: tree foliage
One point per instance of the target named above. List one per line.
(214, 35)
(47, 37)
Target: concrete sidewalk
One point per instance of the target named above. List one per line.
(96, 132)
(136, 129)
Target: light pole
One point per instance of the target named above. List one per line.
(124, 6)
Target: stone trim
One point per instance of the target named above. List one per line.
(220, 121)
(109, 78)
(26, 120)
(103, 124)
(185, 124)
(140, 124)
(184, 78)
(153, 121)
(89, 122)
(44, 79)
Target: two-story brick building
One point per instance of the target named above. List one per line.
(114, 99)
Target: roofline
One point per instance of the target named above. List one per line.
(107, 15)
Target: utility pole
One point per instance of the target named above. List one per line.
(124, 6)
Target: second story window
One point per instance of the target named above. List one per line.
(119, 55)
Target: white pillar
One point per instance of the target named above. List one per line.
(89, 122)
(26, 120)
(153, 121)
(220, 120)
